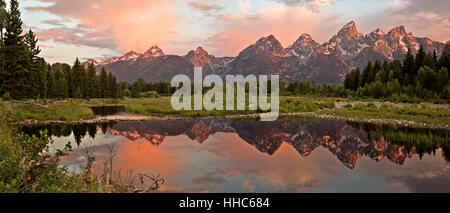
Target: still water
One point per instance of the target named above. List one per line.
(290, 155)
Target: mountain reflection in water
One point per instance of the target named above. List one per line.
(289, 156)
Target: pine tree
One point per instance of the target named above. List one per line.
(34, 79)
(444, 60)
(109, 88)
(83, 83)
(61, 85)
(352, 80)
(356, 79)
(409, 69)
(427, 78)
(17, 68)
(373, 72)
(51, 84)
(391, 76)
(92, 82)
(70, 82)
(420, 58)
(396, 67)
(443, 79)
(429, 61)
(103, 83)
(43, 70)
(112, 86)
(78, 74)
(385, 65)
(366, 73)
(377, 66)
(3, 16)
(135, 90)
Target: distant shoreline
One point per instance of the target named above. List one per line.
(122, 117)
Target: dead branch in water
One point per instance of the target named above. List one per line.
(157, 180)
(124, 184)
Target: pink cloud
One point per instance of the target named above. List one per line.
(286, 23)
(46, 46)
(205, 6)
(71, 36)
(423, 18)
(132, 24)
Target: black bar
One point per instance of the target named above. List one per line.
(239, 202)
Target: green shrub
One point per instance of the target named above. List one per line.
(359, 106)
(27, 166)
(126, 93)
(150, 94)
(371, 105)
(6, 96)
(348, 106)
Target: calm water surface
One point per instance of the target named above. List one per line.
(283, 156)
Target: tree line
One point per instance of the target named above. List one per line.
(64, 81)
(313, 88)
(25, 75)
(418, 76)
(141, 88)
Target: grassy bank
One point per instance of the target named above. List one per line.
(162, 106)
(27, 165)
(422, 113)
(67, 110)
(73, 110)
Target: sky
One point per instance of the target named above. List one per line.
(101, 29)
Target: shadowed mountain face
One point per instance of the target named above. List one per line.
(348, 142)
(305, 59)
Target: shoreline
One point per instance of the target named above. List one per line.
(122, 117)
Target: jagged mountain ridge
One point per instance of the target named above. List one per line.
(342, 140)
(347, 141)
(305, 59)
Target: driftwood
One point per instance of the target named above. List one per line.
(156, 181)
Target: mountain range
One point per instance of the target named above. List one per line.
(305, 59)
(344, 141)
(348, 141)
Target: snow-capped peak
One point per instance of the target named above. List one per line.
(375, 35)
(198, 57)
(349, 31)
(271, 44)
(91, 61)
(378, 31)
(350, 25)
(397, 31)
(130, 56)
(268, 42)
(154, 51)
(111, 60)
(265, 45)
(201, 51)
(303, 47)
(306, 36)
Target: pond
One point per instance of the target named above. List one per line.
(289, 155)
